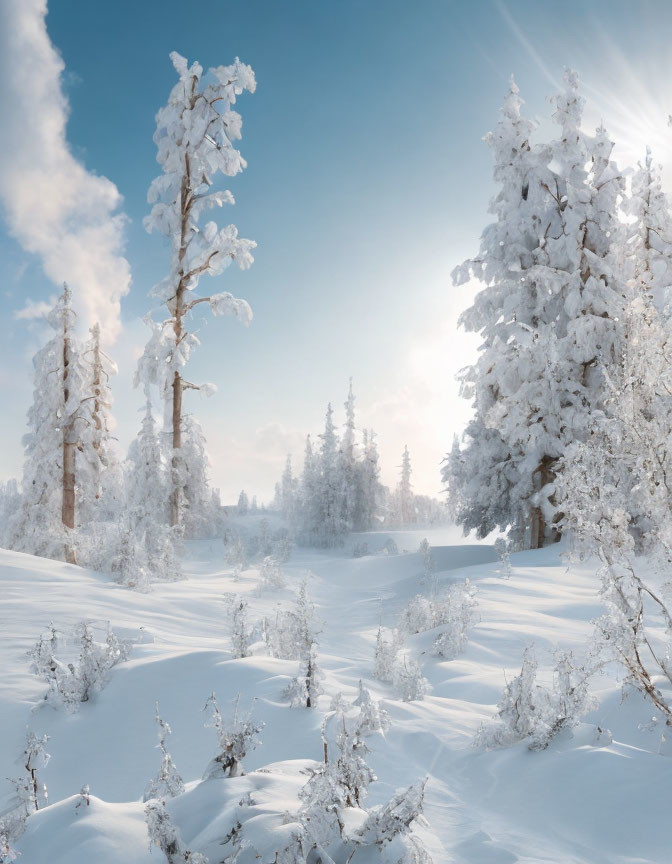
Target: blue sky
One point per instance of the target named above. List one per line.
(367, 182)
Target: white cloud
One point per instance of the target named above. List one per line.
(35, 309)
(53, 206)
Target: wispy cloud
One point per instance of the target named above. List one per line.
(53, 206)
(35, 309)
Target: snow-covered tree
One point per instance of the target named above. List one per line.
(404, 504)
(243, 503)
(168, 783)
(164, 834)
(332, 524)
(333, 813)
(287, 494)
(370, 485)
(649, 247)
(385, 655)
(407, 679)
(100, 459)
(46, 521)
(147, 479)
(372, 718)
(234, 739)
(548, 316)
(241, 635)
(194, 135)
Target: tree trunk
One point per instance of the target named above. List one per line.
(69, 449)
(542, 475)
(177, 444)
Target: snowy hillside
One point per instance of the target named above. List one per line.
(564, 804)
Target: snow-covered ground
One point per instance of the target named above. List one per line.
(581, 800)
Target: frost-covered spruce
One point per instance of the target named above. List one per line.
(100, 474)
(548, 317)
(403, 502)
(46, 521)
(239, 629)
(164, 834)
(168, 783)
(234, 739)
(195, 135)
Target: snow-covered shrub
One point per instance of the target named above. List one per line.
(272, 576)
(386, 654)
(236, 554)
(234, 740)
(390, 547)
(528, 711)
(240, 632)
(168, 783)
(335, 785)
(282, 546)
(420, 614)
(428, 567)
(387, 822)
(164, 834)
(291, 635)
(360, 550)
(407, 679)
(454, 611)
(372, 718)
(76, 681)
(7, 852)
(457, 612)
(502, 550)
(333, 813)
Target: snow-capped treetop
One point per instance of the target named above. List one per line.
(650, 243)
(194, 135)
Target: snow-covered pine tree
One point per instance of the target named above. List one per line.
(199, 506)
(287, 495)
(147, 480)
(194, 135)
(349, 469)
(301, 635)
(332, 525)
(101, 473)
(370, 486)
(548, 318)
(168, 783)
(243, 503)
(46, 521)
(238, 627)
(649, 247)
(403, 499)
(308, 517)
